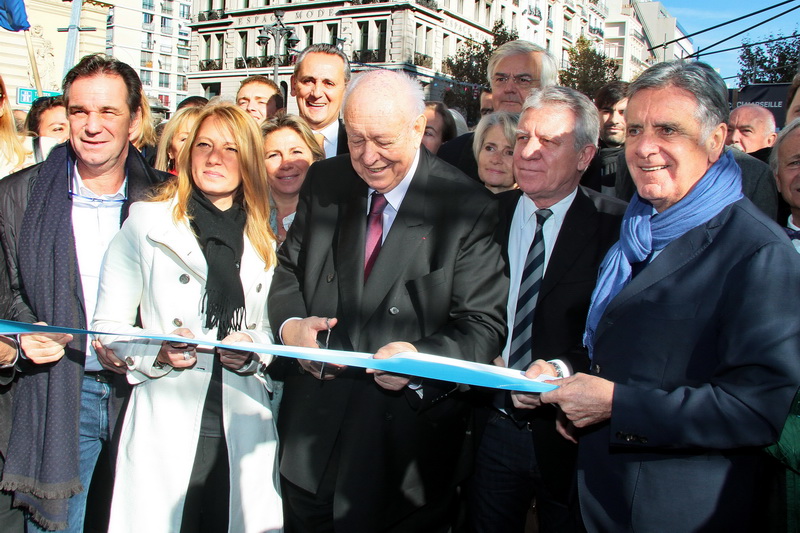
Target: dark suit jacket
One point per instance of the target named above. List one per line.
(458, 152)
(703, 347)
(589, 229)
(758, 183)
(438, 283)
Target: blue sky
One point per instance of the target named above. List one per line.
(695, 16)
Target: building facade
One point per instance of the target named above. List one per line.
(153, 36)
(413, 36)
(49, 20)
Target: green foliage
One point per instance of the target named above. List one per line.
(468, 66)
(775, 62)
(588, 69)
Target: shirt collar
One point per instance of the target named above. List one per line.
(395, 197)
(330, 132)
(791, 225)
(79, 187)
(559, 209)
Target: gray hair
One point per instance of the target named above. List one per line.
(548, 75)
(323, 48)
(396, 84)
(507, 122)
(697, 78)
(587, 119)
(773, 155)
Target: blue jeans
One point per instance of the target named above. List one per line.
(93, 432)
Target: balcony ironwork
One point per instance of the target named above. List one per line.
(148, 45)
(213, 14)
(599, 7)
(422, 60)
(369, 56)
(210, 64)
(432, 4)
(596, 30)
(568, 36)
(183, 52)
(535, 15)
(148, 26)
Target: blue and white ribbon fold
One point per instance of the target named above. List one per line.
(410, 363)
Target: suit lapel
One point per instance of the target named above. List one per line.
(577, 230)
(672, 258)
(406, 235)
(350, 255)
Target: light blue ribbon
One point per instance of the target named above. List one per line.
(409, 363)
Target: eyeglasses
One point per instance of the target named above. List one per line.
(93, 200)
(523, 81)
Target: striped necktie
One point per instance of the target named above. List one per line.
(520, 353)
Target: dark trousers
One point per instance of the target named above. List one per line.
(506, 480)
(306, 512)
(206, 507)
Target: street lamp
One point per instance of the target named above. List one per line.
(278, 32)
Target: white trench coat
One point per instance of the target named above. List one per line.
(157, 265)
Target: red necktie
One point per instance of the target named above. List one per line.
(374, 232)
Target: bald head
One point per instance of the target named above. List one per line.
(384, 119)
(751, 128)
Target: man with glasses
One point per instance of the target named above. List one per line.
(56, 220)
(514, 69)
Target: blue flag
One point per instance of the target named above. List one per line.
(13, 16)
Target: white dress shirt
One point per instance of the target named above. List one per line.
(95, 221)
(521, 234)
(331, 135)
(394, 198)
(791, 225)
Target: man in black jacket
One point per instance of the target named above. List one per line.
(56, 220)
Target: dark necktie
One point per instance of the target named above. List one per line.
(374, 232)
(792, 233)
(520, 353)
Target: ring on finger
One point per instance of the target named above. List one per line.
(187, 355)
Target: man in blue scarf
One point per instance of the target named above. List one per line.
(692, 331)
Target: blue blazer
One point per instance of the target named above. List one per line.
(703, 346)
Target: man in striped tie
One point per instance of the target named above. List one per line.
(555, 235)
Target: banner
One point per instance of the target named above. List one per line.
(409, 363)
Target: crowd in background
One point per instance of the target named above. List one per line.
(632, 246)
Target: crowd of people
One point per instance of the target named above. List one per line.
(627, 249)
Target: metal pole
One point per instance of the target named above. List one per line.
(277, 37)
(72, 35)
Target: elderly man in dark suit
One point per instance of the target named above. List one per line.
(394, 250)
(566, 230)
(693, 341)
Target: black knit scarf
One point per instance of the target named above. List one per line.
(221, 237)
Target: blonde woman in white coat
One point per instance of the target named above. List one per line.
(198, 443)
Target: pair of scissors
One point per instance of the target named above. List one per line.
(324, 347)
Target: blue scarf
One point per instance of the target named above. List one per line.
(642, 234)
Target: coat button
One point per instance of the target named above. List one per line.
(393, 310)
(259, 287)
(177, 322)
(596, 368)
(329, 278)
(184, 278)
(129, 361)
(388, 416)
